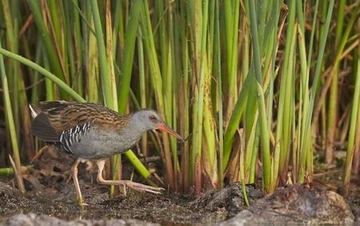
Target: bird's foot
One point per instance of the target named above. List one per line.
(133, 185)
(81, 202)
(143, 187)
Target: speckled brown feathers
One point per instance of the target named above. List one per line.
(54, 117)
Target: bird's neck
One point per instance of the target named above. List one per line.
(136, 126)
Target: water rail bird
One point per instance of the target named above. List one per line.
(94, 132)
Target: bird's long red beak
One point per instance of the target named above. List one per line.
(164, 127)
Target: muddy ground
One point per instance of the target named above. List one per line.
(51, 199)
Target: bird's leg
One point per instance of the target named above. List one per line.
(127, 183)
(38, 154)
(74, 170)
(138, 149)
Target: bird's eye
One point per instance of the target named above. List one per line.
(152, 118)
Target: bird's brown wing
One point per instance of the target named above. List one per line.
(54, 117)
(42, 128)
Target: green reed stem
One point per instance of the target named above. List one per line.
(107, 80)
(157, 85)
(10, 122)
(265, 138)
(352, 131)
(129, 49)
(44, 72)
(46, 37)
(305, 153)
